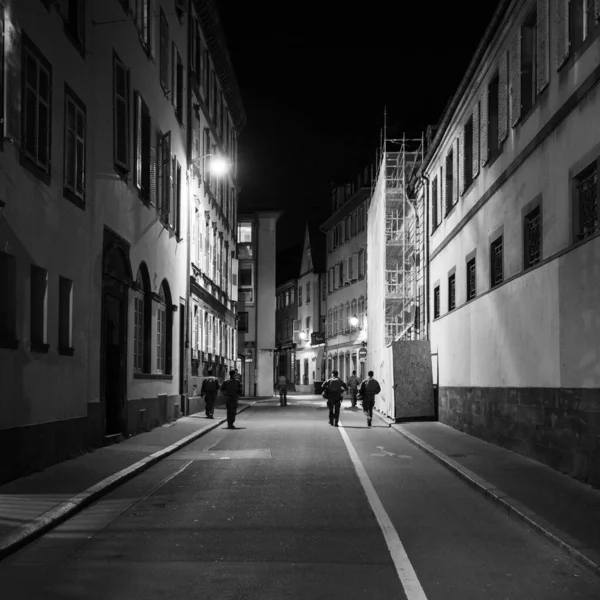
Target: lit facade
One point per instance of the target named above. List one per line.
(514, 198)
(309, 329)
(346, 232)
(286, 319)
(256, 301)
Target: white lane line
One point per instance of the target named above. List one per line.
(406, 573)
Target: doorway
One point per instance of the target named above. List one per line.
(182, 365)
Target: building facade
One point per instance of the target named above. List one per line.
(309, 330)
(287, 325)
(346, 239)
(215, 118)
(514, 198)
(256, 301)
(95, 219)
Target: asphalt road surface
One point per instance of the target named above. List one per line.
(287, 506)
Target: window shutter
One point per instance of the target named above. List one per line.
(562, 32)
(543, 42)
(166, 183)
(461, 160)
(515, 79)
(153, 163)
(13, 81)
(80, 152)
(455, 163)
(355, 266)
(476, 140)
(297, 324)
(442, 196)
(503, 97)
(597, 11)
(336, 276)
(137, 119)
(174, 74)
(44, 103)
(234, 279)
(483, 127)
(164, 51)
(121, 125)
(69, 142)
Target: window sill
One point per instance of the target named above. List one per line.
(9, 344)
(34, 169)
(39, 347)
(153, 376)
(73, 198)
(66, 351)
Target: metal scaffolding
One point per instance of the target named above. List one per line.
(404, 273)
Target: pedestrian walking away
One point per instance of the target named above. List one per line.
(208, 391)
(282, 387)
(333, 389)
(232, 390)
(369, 388)
(353, 383)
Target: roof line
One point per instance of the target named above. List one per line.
(491, 30)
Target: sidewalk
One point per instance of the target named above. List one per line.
(31, 505)
(565, 511)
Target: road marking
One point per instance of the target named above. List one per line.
(161, 483)
(406, 573)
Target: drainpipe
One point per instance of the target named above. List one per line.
(256, 312)
(425, 181)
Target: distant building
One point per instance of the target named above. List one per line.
(256, 301)
(309, 331)
(514, 197)
(346, 232)
(286, 317)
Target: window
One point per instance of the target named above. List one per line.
(247, 278)
(142, 147)
(577, 24)
(142, 20)
(8, 301)
(532, 243)
(308, 293)
(36, 108)
(165, 176)
(496, 262)
(586, 205)
(120, 114)
(142, 322)
(353, 224)
(39, 309)
(361, 263)
(434, 203)
(75, 21)
(164, 330)
(177, 89)
(245, 233)
(471, 279)
(590, 19)
(335, 320)
(452, 292)
(450, 199)
(292, 296)
(436, 302)
(174, 213)
(307, 324)
(74, 149)
(243, 322)
(468, 153)
(361, 312)
(164, 51)
(299, 295)
(65, 316)
(528, 62)
(330, 322)
(493, 106)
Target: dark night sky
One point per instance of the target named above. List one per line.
(314, 83)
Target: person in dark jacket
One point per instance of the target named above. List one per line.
(208, 391)
(369, 388)
(232, 390)
(333, 389)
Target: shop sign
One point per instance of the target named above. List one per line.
(317, 337)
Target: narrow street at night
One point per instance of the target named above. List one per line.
(287, 506)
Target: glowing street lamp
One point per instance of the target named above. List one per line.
(218, 165)
(354, 321)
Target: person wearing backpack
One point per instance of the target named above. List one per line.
(208, 391)
(369, 388)
(333, 389)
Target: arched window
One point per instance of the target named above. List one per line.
(142, 321)
(164, 330)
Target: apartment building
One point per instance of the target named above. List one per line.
(514, 197)
(309, 329)
(286, 319)
(346, 234)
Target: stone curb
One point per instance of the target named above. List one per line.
(34, 529)
(514, 508)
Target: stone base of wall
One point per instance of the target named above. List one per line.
(144, 414)
(25, 450)
(559, 427)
